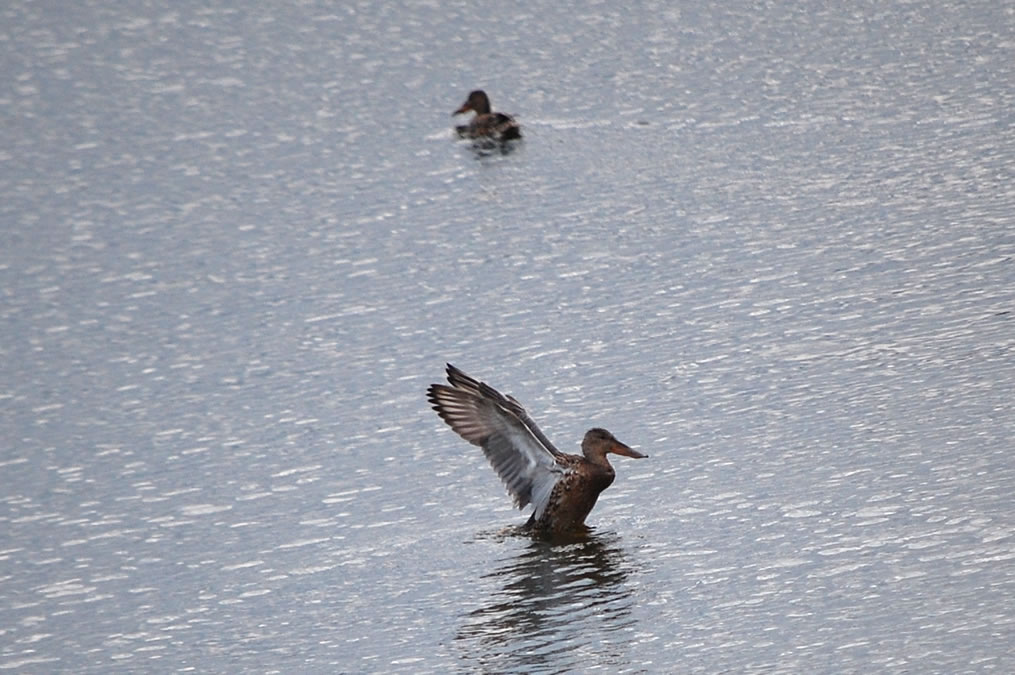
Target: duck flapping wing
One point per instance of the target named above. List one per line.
(520, 454)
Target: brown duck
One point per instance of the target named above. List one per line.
(562, 488)
(486, 124)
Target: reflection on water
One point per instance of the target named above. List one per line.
(560, 604)
(485, 147)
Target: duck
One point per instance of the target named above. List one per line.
(486, 124)
(562, 488)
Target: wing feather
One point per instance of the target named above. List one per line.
(521, 455)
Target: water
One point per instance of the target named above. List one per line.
(772, 247)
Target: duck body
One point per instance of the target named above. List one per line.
(562, 488)
(487, 124)
(574, 495)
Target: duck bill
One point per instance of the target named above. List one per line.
(621, 449)
(464, 109)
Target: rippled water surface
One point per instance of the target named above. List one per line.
(771, 246)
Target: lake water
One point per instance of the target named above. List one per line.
(771, 246)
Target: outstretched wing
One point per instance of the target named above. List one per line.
(518, 451)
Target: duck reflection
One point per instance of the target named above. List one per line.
(558, 603)
(485, 147)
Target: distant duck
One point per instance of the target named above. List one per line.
(562, 488)
(486, 124)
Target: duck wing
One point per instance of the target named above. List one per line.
(506, 127)
(518, 451)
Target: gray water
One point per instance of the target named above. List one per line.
(771, 246)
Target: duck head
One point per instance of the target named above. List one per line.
(598, 442)
(477, 102)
